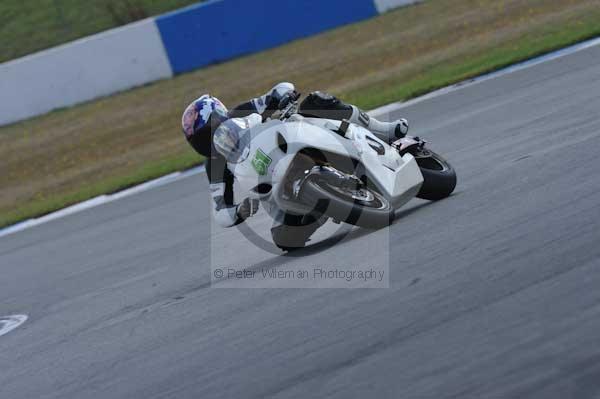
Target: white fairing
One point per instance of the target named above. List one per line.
(398, 178)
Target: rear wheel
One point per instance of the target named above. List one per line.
(439, 177)
(358, 205)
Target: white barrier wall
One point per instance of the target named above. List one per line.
(88, 68)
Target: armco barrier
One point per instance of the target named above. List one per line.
(154, 49)
(223, 29)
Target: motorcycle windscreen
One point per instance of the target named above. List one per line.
(232, 140)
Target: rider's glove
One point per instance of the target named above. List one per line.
(288, 98)
(401, 128)
(247, 208)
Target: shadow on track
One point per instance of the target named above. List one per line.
(348, 234)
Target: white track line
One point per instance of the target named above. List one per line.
(103, 199)
(9, 323)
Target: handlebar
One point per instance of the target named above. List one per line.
(289, 110)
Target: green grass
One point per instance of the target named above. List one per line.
(151, 170)
(497, 58)
(27, 26)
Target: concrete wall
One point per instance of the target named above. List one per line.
(82, 70)
(161, 47)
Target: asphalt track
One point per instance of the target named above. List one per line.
(493, 292)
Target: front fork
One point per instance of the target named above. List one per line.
(329, 174)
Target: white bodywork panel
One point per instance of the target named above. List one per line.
(398, 178)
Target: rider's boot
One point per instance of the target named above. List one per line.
(387, 131)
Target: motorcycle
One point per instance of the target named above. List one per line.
(321, 167)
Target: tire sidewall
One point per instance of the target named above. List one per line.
(437, 184)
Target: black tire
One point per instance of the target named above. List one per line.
(439, 177)
(331, 201)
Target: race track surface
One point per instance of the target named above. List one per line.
(494, 292)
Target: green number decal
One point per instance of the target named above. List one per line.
(261, 162)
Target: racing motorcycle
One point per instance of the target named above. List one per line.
(321, 167)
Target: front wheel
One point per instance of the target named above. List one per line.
(439, 177)
(359, 206)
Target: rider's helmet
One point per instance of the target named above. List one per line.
(200, 120)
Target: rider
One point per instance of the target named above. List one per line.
(204, 115)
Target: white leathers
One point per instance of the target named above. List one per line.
(225, 206)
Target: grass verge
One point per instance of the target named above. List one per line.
(106, 145)
(152, 170)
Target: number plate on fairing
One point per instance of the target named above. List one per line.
(261, 162)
